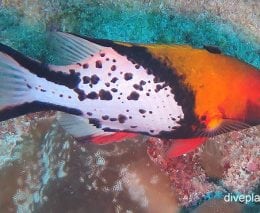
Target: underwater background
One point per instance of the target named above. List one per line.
(44, 170)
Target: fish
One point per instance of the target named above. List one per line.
(107, 91)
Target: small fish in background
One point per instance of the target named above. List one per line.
(109, 91)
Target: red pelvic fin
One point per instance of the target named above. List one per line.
(182, 146)
(111, 137)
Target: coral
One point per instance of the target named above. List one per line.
(232, 159)
(188, 179)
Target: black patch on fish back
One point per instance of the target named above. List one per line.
(183, 95)
(212, 49)
(42, 70)
(36, 106)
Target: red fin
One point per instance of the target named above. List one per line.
(110, 138)
(182, 146)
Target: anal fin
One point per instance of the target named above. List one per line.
(80, 128)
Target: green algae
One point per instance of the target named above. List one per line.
(129, 21)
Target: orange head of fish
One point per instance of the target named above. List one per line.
(224, 88)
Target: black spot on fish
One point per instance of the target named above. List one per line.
(69, 97)
(114, 80)
(142, 111)
(105, 95)
(158, 88)
(107, 59)
(105, 117)
(109, 74)
(61, 95)
(128, 76)
(114, 60)
(98, 64)
(133, 96)
(147, 94)
(85, 66)
(138, 87)
(94, 79)
(102, 54)
(110, 130)
(107, 84)
(152, 131)
(89, 113)
(114, 90)
(113, 67)
(127, 110)
(92, 95)
(142, 82)
(95, 122)
(150, 112)
(43, 90)
(81, 94)
(113, 119)
(137, 66)
(133, 127)
(212, 49)
(86, 80)
(79, 64)
(130, 117)
(122, 118)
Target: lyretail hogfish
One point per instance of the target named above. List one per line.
(108, 91)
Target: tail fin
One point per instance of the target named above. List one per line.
(25, 86)
(14, 86)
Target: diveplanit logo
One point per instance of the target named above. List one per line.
(250, 198)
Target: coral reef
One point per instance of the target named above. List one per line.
(226, 163)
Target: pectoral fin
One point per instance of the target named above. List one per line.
(183, 146)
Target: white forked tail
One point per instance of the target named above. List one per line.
(26, 87)
(14, 88)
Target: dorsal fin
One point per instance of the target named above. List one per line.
(72, 49)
